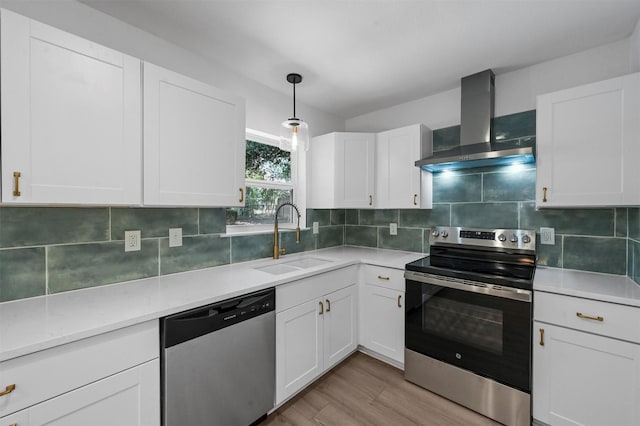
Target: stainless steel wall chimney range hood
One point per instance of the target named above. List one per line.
(478, 147)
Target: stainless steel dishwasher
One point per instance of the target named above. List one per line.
(218, 362)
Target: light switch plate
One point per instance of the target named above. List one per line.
(315, 227)
(132, 241)
(175, 237)
(393, 229)
(548, 236)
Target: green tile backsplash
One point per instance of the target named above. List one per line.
(46, 250)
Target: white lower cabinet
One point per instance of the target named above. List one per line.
(314, 335)
(109, 379)
(579, 377)
(127, 398)
(382, 312)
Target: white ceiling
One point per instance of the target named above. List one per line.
(358, 56)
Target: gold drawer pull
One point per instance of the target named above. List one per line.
(16, 184)
(380, 277)
(328, 305)
(415, 199)
(8, 390)
(399, 297)
(581, 315)
(544, 194)
(241, 200)
(542, 337)
(321, 308)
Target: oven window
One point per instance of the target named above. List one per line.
(486, 334)
(473, 325)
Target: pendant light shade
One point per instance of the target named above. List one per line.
(294, 133)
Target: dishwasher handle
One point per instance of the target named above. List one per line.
(191, 324)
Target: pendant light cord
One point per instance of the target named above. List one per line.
(294, 100)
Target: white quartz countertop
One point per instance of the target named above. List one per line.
(589, 285)
(39, 323)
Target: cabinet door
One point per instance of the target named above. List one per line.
(298, 347)
(584, 379)
(587, 145)
(354, 165)
(383, 317)
(70, 118)
(340, 325)
(397, 178)
(131, 397)
(21, 418)
(194, 142)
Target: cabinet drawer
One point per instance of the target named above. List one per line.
(303, 290)
(607, 319)
(43, 375)
(384, 277)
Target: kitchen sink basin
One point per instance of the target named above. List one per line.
(307, 262)
(293, 265)
(277, 269)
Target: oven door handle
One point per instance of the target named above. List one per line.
(471, 286)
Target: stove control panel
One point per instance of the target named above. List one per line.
(497, 238)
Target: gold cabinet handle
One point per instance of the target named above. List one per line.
(399, 304)
(380, 277)
(544, 194)
(8, 390)
(328, 305)
(542, 337)
(241, 195)
(415, 199)
(321, 308)
(583, 316)
(16, 184)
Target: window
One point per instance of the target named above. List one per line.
(270, 180)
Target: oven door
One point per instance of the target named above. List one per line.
(481, 328)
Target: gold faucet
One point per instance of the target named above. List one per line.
(277, 250)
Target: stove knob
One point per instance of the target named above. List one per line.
(502, 238)
(514, 238)
(445, 234)
(526, 239)
(436, 233)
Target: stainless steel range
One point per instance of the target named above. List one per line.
(468, 320)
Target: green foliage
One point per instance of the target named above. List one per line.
(267, 162)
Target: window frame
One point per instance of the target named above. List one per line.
(298, 161)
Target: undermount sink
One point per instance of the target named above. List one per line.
(277, 269)
(306, 262)
(293, 265)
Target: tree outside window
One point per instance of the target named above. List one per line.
(268, 184)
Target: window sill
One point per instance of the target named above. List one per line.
(243, 230)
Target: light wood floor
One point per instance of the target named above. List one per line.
(365, 391)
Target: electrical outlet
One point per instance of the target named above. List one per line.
(132, 241)
(393, 229)
(548, 236)
(175, 237)
(315, 227)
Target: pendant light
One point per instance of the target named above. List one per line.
(294, 133)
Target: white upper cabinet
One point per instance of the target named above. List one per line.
(70, 118)
(341, 171)
(588, 145)
(194, 142)
(396, 176)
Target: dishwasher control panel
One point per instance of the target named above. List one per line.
(187, 325)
